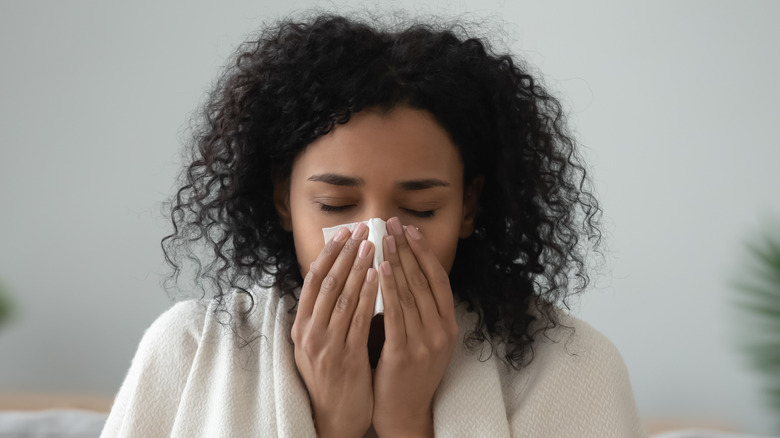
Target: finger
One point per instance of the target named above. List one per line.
(416, 281)
(361, 319)
(437, 277)
(317, 272)
(412, 322)
(332, 283)
(395, 332)
(348, 300)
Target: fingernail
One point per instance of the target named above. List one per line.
(360, 232)
(365, 246)
(370, 275)
(413, 232)
(341, 235)
(391, 244)
(395, 226)
(385, 267)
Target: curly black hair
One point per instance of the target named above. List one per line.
(299, 78)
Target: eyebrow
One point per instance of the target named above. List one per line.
(338, 180)
(421, 184)
(350, 181)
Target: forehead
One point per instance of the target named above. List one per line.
(404, 143)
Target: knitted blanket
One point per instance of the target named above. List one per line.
(195, 375)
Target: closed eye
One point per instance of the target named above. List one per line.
(327, 208)
(420, 213)
(334, 208)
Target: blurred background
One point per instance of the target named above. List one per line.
(674, 103)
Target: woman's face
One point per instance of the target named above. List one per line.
(379, 164)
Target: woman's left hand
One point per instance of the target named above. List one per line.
(420, 333)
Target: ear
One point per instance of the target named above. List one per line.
(471, 192)
(282, 201)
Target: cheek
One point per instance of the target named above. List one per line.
(444, 235)
(306, 230)
(444, 243)
(308, 245)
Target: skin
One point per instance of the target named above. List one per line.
(400, 166)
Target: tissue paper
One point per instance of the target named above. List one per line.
(376, 231)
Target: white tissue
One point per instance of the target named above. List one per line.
(376, 231)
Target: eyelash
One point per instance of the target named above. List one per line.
(333, 208)
(421, 214)
(340, 208)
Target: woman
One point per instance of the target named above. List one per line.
(331, 121)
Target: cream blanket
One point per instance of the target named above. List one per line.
(190, 378)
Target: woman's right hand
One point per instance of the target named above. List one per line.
(331, 332)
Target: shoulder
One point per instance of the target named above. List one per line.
(571, 344)
(577, 380)
(575, 345)
(181, 323)
(169, 346)
(576, 385)
(189, 322)
(574, 356)
(186, 349)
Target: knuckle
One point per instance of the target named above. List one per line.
(418, 279)
(296, 333)
(351, 246)
(343, 303)
(329, 249)
(359, 320)
(314, 273)
(439, 341)
(406, 298)
(421, 354)
(328, 284)
(310, 344)
(307, 279)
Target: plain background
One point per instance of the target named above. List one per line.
(674, 103)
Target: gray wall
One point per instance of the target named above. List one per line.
(675, 104)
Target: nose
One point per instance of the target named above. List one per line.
(378, 209)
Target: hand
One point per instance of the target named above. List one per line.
(420, 333)
(330, 333)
